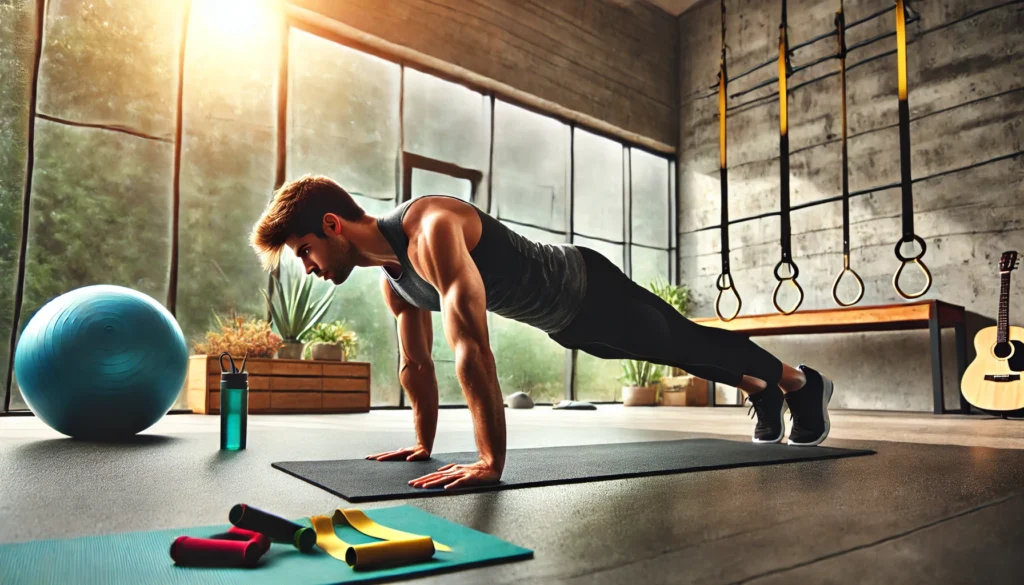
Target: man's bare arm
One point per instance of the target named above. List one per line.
(444, 261)
(416, 373)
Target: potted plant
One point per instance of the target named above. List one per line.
(240, 335)
(293, 312)
(640, 379)
(330, 341)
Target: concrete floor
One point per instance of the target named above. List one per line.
(916, 512)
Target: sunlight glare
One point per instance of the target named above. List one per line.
(238, 21)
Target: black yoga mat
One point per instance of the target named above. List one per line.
(360, 480)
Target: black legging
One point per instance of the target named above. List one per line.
(620, 319)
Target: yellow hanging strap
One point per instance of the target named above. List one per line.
(396, 547)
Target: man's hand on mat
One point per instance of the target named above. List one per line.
(417, 453)
(452, 476)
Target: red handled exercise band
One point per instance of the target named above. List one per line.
(236, 533)
(208, 552)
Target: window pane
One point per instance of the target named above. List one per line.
(648, 265)
(596, 378)
(527, 359)
(112, 62)
(431, 183)
(613, 252)
(446, 121)
(227, 171)
(17, 26)
(650, 208)
(101, 214)
(597, 175)
(343, 116)
(531, 167)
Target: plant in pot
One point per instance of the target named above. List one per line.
(239, 335)
(641, 383)
(330, 341)
(293, 312)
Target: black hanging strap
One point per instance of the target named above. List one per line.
(724, 282)
(905, 179)
(841, 36)
(787, 259)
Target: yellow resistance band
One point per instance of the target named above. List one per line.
(396, 548)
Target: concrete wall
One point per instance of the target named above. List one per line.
(967, 107)
(614, 60)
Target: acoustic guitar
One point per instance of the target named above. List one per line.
(992, 381)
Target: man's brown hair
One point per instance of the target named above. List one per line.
(297, 209)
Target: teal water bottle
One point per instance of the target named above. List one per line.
(234, 405)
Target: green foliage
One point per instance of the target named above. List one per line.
(292, 311)
(527, 360)
(240, 335)
(677, 295)
(638, 373)
(335, 332)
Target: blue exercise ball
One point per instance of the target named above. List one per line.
(101, 362)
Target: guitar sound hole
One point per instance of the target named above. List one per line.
(1002, 350)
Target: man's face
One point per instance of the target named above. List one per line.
(331, 258)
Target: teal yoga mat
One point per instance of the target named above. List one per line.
(142, 558)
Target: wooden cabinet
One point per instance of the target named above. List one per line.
(284, 386)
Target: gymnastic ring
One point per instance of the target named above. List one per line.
(896, 280)
(721, 291)
(792, 278)
(835, 286)
(792, 267)
(913, 238)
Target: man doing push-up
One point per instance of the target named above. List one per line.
(440, 253)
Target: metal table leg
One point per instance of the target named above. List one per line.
(961, 364)
(935, 334)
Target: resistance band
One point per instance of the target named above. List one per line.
(841, 35)
(724, 282)
(396, 548)
(905, 180)
(784, 69)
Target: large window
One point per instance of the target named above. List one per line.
(101, 201)
(531, 192)
(105, 191)
(598, 223)
(227, 169)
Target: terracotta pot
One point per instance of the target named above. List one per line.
(639, 395)
(327, 351)
(291, 350)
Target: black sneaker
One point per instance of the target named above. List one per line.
(808, 408)
(769, 406)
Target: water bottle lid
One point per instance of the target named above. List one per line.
(239, 380)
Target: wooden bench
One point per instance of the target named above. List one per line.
(932, 315)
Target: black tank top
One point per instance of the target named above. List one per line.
(538, 284)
